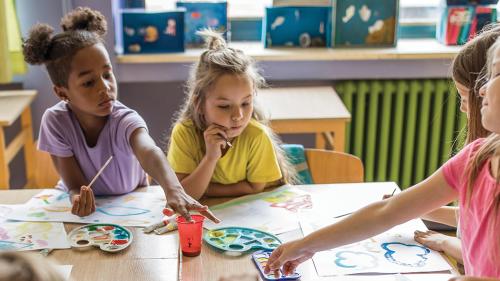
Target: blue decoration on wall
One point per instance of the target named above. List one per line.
(365, 22)
(297, 26)
(200, 15)
(153, 32)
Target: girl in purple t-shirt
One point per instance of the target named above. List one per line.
(88, 126)
(472, 177)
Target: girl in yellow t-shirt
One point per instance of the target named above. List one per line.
(220, 145)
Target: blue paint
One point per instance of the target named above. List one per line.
(120, 211)
(389, 254)
(13, 246)
(62, 196)
(342, 261)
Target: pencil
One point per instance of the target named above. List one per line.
(100, 171)
(393, 191)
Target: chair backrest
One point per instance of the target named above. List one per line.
(46, 175)
(328, 166)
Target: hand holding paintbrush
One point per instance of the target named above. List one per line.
(84, 203)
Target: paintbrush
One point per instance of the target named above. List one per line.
(100, 171)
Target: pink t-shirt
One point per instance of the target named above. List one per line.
(478, 218)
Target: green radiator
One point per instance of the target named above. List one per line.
(403, 130)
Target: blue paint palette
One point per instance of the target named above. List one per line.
(108, 237)
(241, 239)
(260, 259)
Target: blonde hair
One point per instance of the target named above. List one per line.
(488, 150)
(26, 267)
(217, 60)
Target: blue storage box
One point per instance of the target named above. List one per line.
(131, 4)
(297, 27)
(460, 23)
(363, 23)
(152, 32)
(201, 15)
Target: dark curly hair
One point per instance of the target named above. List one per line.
(82, 27)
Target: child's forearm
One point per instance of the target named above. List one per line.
(446, 215)
(235, 189)
(156, 165)
(453, 247)
(197, 182)
(358, 226)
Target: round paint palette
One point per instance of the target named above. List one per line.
(241, 239)
(108, 237)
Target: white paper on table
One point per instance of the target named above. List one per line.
(340, 199)
(132, 209)
(24, 236)
(394, 251)
(395, 277)
(274, 211)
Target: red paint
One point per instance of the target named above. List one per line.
(196, 15)
(108, 227)
(191, 254)
(119, 242)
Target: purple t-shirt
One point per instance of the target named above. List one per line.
(62, 136)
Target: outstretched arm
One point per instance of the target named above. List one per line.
(367, 222)
(154, 162)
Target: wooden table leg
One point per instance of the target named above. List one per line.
(320, 141)
(29, 145)
(4, 164)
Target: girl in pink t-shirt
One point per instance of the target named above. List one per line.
(89, 124)
(472, 177)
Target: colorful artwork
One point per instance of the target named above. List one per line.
(365, 23)
(133, 209)
(297, 26)
(23, 236)
(393, 251)
(201, 15)
(152, 32)
(276, 211)
(268, 211)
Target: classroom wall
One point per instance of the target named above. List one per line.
(157, 101)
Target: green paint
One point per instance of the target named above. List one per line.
(37, 214)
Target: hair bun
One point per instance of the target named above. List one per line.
(36, 46)
(213, 39)
(84, 18)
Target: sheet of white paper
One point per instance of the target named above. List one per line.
(24, 236)
(64, 270)
(395, 277)
(394, 251)
(340, 199)
(276, 211)
(132, 209)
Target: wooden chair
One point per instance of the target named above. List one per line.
(46, 175)
(328, 166)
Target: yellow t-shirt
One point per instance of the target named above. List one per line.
(251, 158)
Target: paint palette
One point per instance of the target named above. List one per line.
(241, 239)
(108, 237)
(260, 259)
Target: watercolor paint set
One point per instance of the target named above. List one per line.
(260, 259)
(241, 239)
(108, 237)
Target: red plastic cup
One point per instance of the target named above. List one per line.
(190, 235)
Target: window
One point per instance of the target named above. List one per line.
(418, 11)
(410, 10)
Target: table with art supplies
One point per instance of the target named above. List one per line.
(112, 243)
